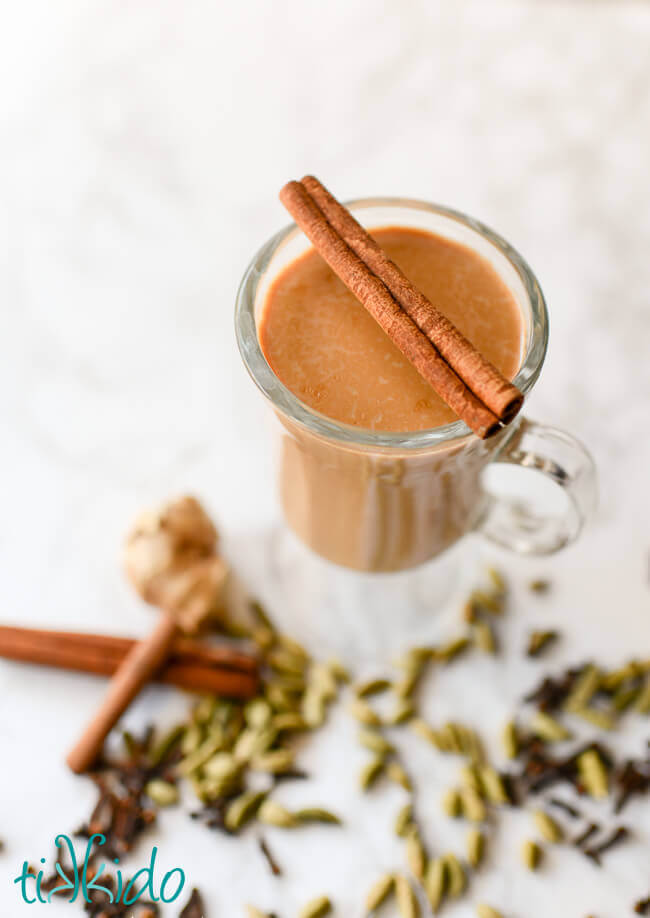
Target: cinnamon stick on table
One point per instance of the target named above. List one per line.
(192, 665)
(469, 384)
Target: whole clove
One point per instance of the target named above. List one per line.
(540, 641)
(551, 693)
(273, 865)
(632, 779)
(195, 907)
(541, 770)
(619, 835)
(566, 807)
(642, 906)
(122, 812)
(584, 836)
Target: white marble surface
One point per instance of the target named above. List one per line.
(142, 149)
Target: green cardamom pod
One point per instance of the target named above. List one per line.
(243, 808)
(316, 814)
(407, 902)
(435, 883)
(475, 847)
(379, 892)
(531, 854)
(547, 827)
(316, 908)
(163, 793)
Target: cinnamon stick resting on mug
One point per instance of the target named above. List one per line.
(195, 666)
(468, 383)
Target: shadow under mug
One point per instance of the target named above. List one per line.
(379, 501)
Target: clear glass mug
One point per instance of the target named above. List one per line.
(377, 501)
(387, 502)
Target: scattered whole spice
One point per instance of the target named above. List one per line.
(551, 693)
(498, 581)
(624, 696)
(642, 906)
(313, 708)
(633, 778)
(163, 793)
(456, 879)
(475, 847)
(274, 814)
(224, 741)
(195, 907)
(593, 774)
(339, 670)
(547, 827)
(452, 803)
(565, 807)
(597, 717)
(484, 637)
(415, 659)
(486, 911)
(379, 892)
(531, 855)
(415, 854)
(549, 729)
(510, 740)
(121, 812)
(404, 709)
(404, 819)
(539, 641)
(375, 742)
(424, 730)
(469, 775)
(585, 835)
(362, 711)
(242, 809)
(619, 835)
(642, 703)
(493, 786)
(372, 687)
(317, 814)
(273, 865)
(407, 902)
(449, 652)
(435, 882)
(371, 771)
(405, 687)
(471, 805)
(488, 601)
(316, 908)
(584, 689)
(275, 761)
(397, 773)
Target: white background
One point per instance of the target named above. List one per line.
(142, 146)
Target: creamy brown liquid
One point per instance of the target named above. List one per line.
(381, 509)
(327, 349)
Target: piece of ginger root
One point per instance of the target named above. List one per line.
(171, 559)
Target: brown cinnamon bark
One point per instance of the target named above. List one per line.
(482, 377)
(138, 667)
(192, 665)
(387, 312)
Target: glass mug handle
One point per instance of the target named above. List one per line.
(513, 524)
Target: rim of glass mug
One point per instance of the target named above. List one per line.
(377, 212)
